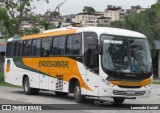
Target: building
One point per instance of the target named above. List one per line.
(115, 12)
(104, 21)
(134, 10)
(86, 19)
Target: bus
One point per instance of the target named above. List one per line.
(85, 61)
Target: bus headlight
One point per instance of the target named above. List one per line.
(148, 85)
(108, 83)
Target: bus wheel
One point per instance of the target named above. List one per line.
(61, 93)
(77, 93)
(27, 89)
(118, 100)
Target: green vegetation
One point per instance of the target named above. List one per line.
(89, 10)
(12, 13)
(146, 22)
(2, 83)
(156, 81)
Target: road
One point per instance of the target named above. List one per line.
(10, 95)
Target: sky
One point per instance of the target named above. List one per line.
(76, 6)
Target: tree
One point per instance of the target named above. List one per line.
(138, 7)
(12, 13)
(68, 20)
(158, 1)
(89, 10)
(55, 14)
(147, 22)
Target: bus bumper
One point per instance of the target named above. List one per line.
(117, 91)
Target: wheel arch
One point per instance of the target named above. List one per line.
(72, 82)
(23, 78)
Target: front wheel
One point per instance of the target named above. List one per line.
(118, 100)
(79, 98)
(27, 89)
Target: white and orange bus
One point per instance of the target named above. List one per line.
(89, 61)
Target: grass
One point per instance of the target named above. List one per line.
(3, 83)
(156, 81)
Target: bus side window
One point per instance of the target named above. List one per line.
(24, 48)
(73, 45)
(28, 48)
(35, 47)
(70, 40)
(77, 45)
(46, 46)
(55, 46)
(9, 47)
(15, 49)
(19, 48)
(59, 45)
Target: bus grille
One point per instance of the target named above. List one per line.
(137, 93)
(129, 86)
(59, 83)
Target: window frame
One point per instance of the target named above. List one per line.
(73, 44)
(58, 45)
(52, 38)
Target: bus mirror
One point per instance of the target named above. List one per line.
(99, 49)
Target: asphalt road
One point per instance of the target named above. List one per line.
(66, 104)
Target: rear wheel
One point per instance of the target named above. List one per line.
(27, 89)
(61, 93)
(79, 98)
(118, 100)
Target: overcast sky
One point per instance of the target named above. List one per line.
(76, 6)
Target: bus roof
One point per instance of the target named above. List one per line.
(114, 31)
(72, 30)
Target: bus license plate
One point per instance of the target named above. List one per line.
(130, 92)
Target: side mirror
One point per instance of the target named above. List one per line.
(99, 49)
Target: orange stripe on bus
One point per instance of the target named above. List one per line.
(68, 73)
(129, 83)
(55, 33)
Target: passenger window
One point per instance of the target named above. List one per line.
(28, 48)
(15, 49)
(69, 50)
(19, 48)
(36, 47)
(74, 45)
(77, 45)
(55, 46)
(46, 46)
(10, 46)
(59, 45)
(24, 48)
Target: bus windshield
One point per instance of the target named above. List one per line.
(124, 54)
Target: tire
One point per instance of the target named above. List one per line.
(77, 93)
(27, 89)
(61, 93)
(118, 100)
